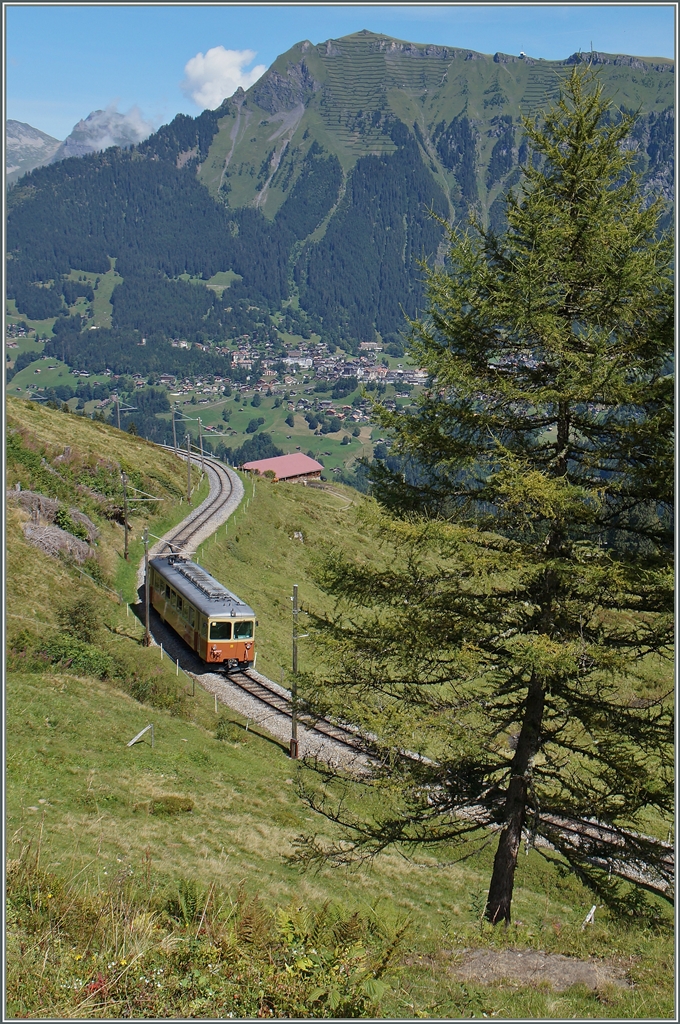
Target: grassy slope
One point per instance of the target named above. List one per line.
(72, 779)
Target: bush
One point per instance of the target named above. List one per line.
(228, 731)
(63, 520)
(290, 419)
(67, 651)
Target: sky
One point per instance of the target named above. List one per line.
(157, 60)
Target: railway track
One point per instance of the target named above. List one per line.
(605, 845)
(277, 700)
(193, 528)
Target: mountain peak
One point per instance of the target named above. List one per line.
(102, 129)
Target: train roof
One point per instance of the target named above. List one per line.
(196, 584)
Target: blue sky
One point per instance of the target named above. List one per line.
(64, 61)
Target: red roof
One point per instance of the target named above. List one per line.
(286, 466)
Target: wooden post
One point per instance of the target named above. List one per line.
(293, 688)
(174, 429)
(125, 514)
(118, 410)
(147, 634)
(200, 441)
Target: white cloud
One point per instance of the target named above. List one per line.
(216, 75)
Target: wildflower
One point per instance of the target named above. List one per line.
(79, 956)
(49, 895)
(123, 963)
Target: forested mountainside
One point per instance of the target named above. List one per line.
(318, 183)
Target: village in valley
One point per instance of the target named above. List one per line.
(326, 392)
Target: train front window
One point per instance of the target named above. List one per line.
(220, 630)
(243, 630)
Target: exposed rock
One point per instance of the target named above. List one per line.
(45, 509)
(531, 967)
(102, 129)
(275, 92)
(26, 148)
(52, 541)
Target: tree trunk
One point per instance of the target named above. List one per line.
(505, 861)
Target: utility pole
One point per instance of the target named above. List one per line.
(174, 430)
(200, 441)
(118, 410)
(189, 467)
(293, 687)
(125, 514)
(147, 634)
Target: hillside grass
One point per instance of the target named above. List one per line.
(101, 851)
(328, 448)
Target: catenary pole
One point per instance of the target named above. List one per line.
(189, 467)
(293, 689)
(147, 634)
(125, 514)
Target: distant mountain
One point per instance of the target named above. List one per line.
(26, 148)
(102, 129)
(315, 185)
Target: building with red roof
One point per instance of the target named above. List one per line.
(287, 467)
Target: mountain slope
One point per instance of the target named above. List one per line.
(102, 129)
(26, 148)
(316, 184)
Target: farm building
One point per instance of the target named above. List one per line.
(288, 467)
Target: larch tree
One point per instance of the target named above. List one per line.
(507, 648)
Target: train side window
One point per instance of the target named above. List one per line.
(167, 592)
(173, 599)
(243, 630)
(192, 617)
(220, 630)
(179, 603)
(204, 627)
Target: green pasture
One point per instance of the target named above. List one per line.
(41, 326)
(79, 794)
(290, 439)
(53, 372)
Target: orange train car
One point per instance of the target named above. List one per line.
(215, 623)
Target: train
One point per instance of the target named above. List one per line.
(215, 623)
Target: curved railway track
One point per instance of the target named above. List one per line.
(179, 542)
(606, 845)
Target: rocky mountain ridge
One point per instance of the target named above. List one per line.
(316, 186)
(26, 148)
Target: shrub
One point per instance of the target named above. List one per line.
(62, 519)
(82, 619)
(69, 652)
(228, 731)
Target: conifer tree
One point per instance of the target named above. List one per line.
(507, 644)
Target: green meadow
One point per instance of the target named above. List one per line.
(162, 881)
